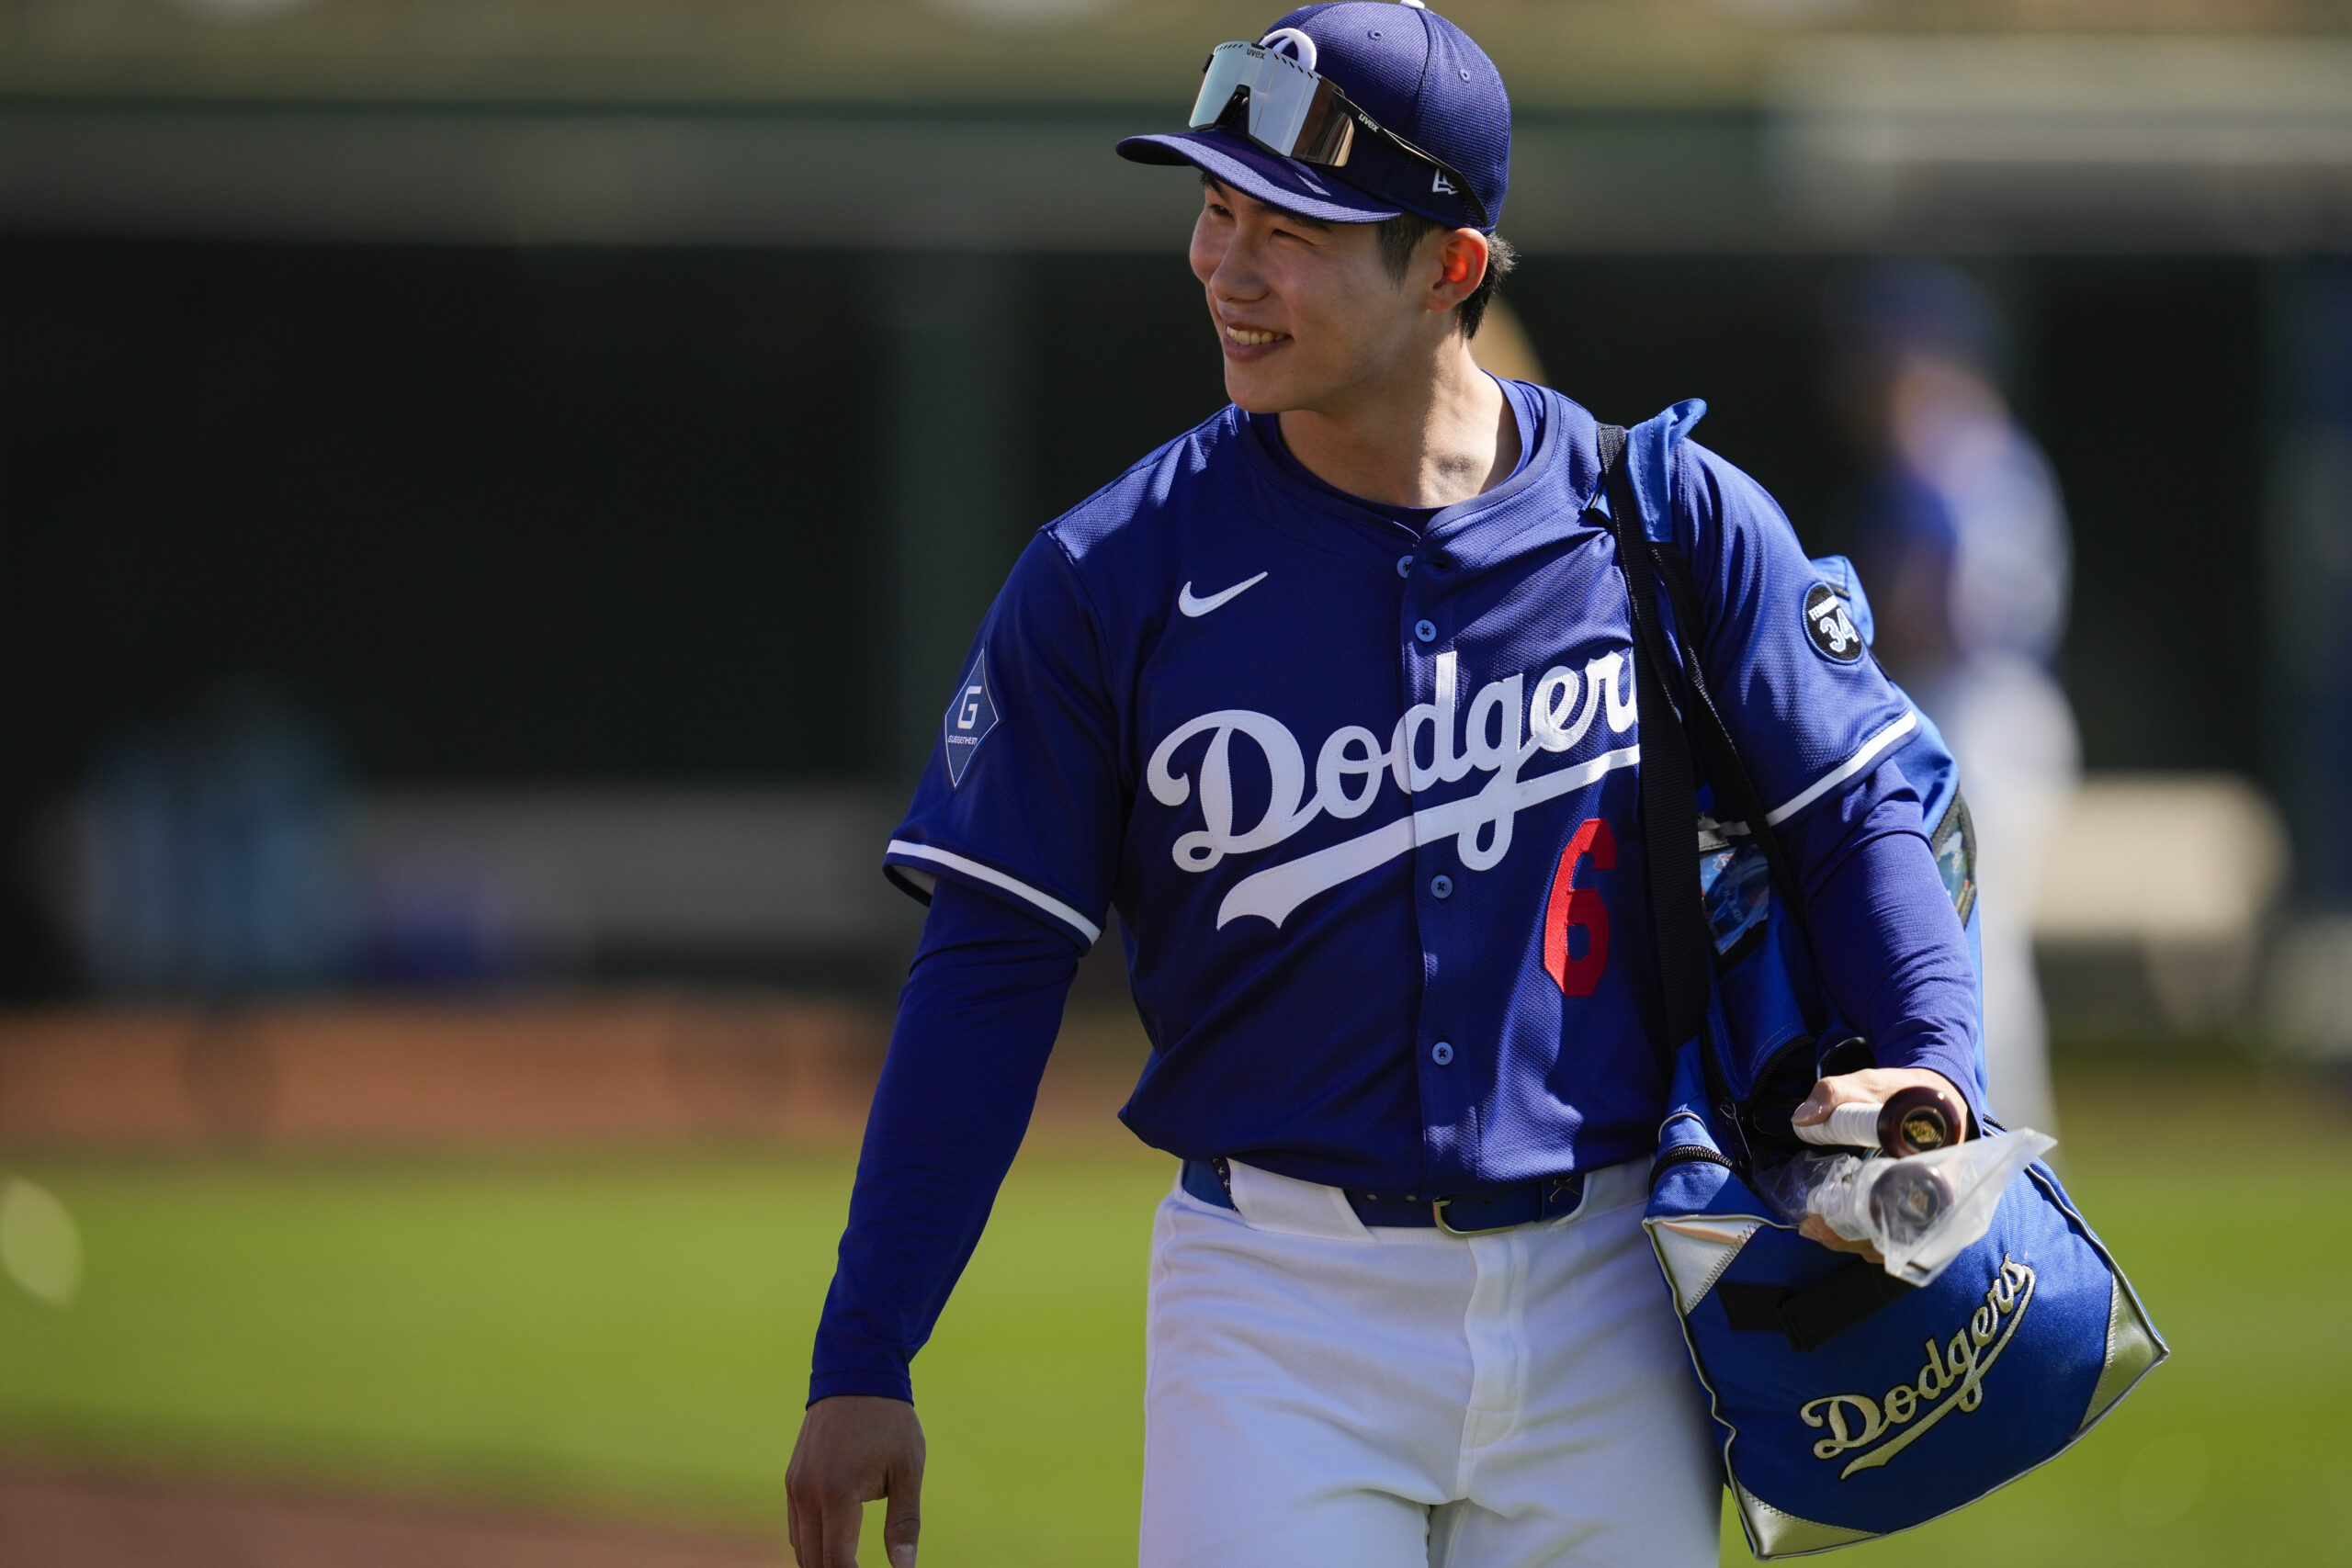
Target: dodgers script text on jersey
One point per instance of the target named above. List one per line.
(1366, 800)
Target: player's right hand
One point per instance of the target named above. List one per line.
(852, 1450)
(1815, 1228)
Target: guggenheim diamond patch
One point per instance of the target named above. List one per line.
(969, 718)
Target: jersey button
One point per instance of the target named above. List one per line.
(1440, 886)
(1425, 630)
(1442, 1053)
(1404, 566)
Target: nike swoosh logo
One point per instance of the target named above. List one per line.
(1197, 607)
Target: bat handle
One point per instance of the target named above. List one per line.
(1912, 1121)
(1850, 1126)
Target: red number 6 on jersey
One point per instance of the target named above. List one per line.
(1573, 905)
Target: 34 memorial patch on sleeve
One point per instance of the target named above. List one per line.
(969, 718)
(1831, 629)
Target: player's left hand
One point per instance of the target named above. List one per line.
(1872, 1086)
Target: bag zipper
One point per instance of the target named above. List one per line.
(1690, 1153)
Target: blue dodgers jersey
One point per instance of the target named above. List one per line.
(1366, 800)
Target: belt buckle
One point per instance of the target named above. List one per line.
(1436, 1212)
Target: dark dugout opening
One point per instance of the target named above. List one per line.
(499, 516)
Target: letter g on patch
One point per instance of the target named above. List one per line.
(971, 714)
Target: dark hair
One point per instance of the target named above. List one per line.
(1402, 235)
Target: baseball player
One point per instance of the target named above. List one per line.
(1332, 698)
(1965, 537)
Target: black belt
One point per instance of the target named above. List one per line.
(1467, 1213)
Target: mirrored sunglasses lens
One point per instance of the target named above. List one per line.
(1327, 132)
(1229, 69)
(1280, 96)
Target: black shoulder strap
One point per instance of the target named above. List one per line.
(1735, 787)
(1668, 788)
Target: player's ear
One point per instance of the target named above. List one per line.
(1461, 267)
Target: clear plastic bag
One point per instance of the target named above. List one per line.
(1919, 1211)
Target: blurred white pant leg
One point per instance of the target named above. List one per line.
(1313, 1402)
(1610, 1460)
(2009, 725)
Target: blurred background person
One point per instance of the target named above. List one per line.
(210, 855)
(1961, 540)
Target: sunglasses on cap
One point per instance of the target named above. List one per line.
(1285, 106)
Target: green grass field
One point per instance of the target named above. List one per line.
(630, 1335)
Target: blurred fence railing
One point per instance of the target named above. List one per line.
(2019, 142)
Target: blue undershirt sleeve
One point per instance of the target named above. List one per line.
(976, 1019)
(1888, 942)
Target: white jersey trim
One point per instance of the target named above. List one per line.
(996, 878)
(1854, 764)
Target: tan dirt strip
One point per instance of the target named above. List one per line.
(70, 1518)
(590, 1068)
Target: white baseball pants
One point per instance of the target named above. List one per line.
(1323, 1395)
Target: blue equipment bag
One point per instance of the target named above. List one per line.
(1850, 1405)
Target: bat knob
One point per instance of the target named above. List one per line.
(1907, 1201)
(1918, 1120)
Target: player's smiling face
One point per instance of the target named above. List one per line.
(1307, 313)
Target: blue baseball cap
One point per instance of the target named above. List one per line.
(1919, 307)
(1412, 71)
